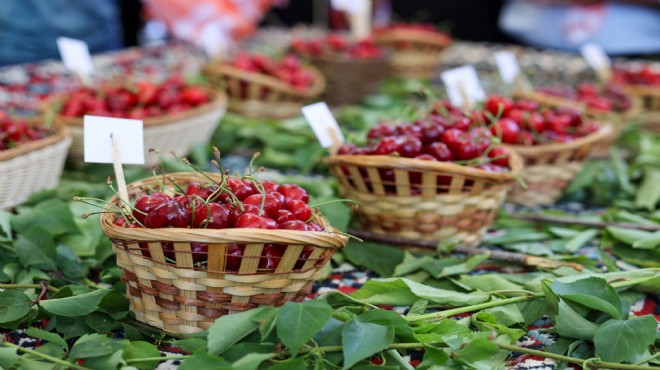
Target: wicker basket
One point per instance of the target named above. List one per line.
(649, 97)
(173, 132)
(32, 167)
(182, 297)
(350, 80)
(550, 168)
(260, 96)
(421, 56)
(422, 200)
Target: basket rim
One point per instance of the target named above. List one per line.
(435, 37)
(330, 239)
(382, 60)
(639, 89)
(219, 68)
(219, 101)
(575, 104)
(603, 132)
(61, 133)
(411, 164)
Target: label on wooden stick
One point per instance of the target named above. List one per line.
(324, 124)
(99, 133)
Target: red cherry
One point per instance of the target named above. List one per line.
(497, 104)
(200, 252)
(409, 146)
(234, 256)
(381, 130)
(271, 256)
(270, 186)
(284, 215)
(439, 151)
(387, 145)
(291, 192)
(272, 203)
(525, 138)
(239, 188)
(145, 204)
(252, 221)
(248, 208)
(311, 226)
(451, 137)
(194, 96)
(461, 123)
(299, 209)
(213, 216)
(169, 214)
(502, 154)
(506, 129)
(294, 225)
(203, 191)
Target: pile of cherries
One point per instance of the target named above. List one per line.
(15, 132)
(336, 47)
(640, 76)
(610, 98)
(234, 203)
(137, 100)
(289, 69)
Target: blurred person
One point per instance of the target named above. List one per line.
(29, 28)
(621, 28)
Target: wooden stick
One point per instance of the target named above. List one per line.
(360, 23)
(467, 102)
(425, 245)
(574, 221)
(522, 83)
(119, 171)
(336, 141)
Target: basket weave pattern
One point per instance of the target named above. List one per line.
(348, 81)
(650, 102)
(176, 132)
(171, 291)
(425, 200)
(260, 96)
(421, 56)
(549, 169)
(32, 167)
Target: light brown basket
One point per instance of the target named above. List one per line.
(422, 55)
(33, 166)
(649, 96)
(550, 168)
(350, 80)
(426, 200)
(260, 96)
(173, 132)
(183, 297)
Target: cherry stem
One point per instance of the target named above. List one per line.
(162, 165)
(216, 155)
(261, 189)
(351, 201)
(44, 289)
(254, 156)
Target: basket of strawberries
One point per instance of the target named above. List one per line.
(643, 82)
(203, 245)
(553, 142)
(416, 48)
(31, 157)
(352, 69)
(261, 87)
(439, 178)
(176, 115)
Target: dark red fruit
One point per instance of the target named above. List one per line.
(169, 214)
(284, 215)
(299, 209)
(294, 192)
(213, 216)
(439, 151)
(271, 203)
(294, 225)
(197, 189)
(252, 221)
(502, 155)
(506, 129)
(145, 204)
(234, 256)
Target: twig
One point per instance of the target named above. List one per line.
(55, 360)
(28, 286)
(495, 255)
(574, 221)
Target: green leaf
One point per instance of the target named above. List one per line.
(298, 322)
(470, 264)
(386, 317)
(487, 322)
(46, 335)
(206, 361)
(94, 345)
(71, 327)
(411, 264)
(361, 340)
(191, 344)
(628, 236)
(591, 292)
(404, 292)
(532, 310)
(648, 193)
(379, 258)
(488, 282)
(8, 358)
(5, 225)
(330, 335)
(506, 315)
(84, 242)
(114, 304)
(650, 242)
(432, 357)
(266, 320)
(580, 239)
(227, 330)
(292, 364)
(107, 362)
(518, 235)
(53, 215)
(594, 303)
(252, 360)
(619, 340)
(563, 232)
(74, 306)
(14, 305)
(569, 323)
(138, 350)
(477, 350)
(36, 248)
(69, 264)
(638, 257)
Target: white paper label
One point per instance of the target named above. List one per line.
(351, 6)
(595, 56)
(128, 134)
(214, 41)
(507, 63)
(75, 55)
(323, 123)
(463, 81)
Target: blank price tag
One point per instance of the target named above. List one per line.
(324, 124)
(75, 55)
(507, 63)
(351, 6)
(463, 86)
(128, 134)
(595, 56)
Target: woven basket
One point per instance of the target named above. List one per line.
(182, 297)
(33, 166)
(421, 56)
(350, 80)
(425, 200)
(649, 97)
(173, 132)
(550, 168)
(617, 120)
(260, 96)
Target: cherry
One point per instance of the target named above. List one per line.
(381, 130)
(213, 216)
(168, 214)
(439, 151)
(147, 203)
(252, 221)
(270, 186)
(294, 225)
(506, 129)
(203, 191)
(387, 145)
(294, 192)
(200, 251)
(502, 154)
(311, 226)
(299, 209)
(409, 146)
(497, 104)
(248, 208)
(239, 188)
(271, 255)
(234, 256)
(284, 215)
(272, 203)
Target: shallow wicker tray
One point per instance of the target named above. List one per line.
(649, 96)
(462, 210)
(421, 58)
(549, 169)
(33, 166)
(173, 132)
(260, 96)
(183, 298)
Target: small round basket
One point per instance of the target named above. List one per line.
(550, 168)
(257, 95)
(649, 97)
(168, 133)
(350, 80)
(416, 54)
(184, 291)
(33, 166)
(422, 200)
